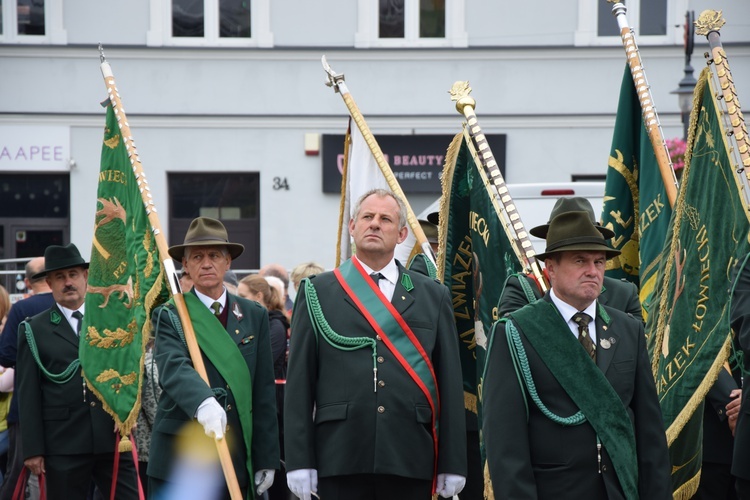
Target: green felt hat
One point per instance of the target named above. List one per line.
(205, 231)
(571, 231)
(57, 258)
(574, 204)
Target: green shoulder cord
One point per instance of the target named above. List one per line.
(321, 326)
(523, 372)
(526, 287)
(58, 378)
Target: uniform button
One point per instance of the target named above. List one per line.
(381, 383)
(229, 407)
(377, 337)
(381, 409)
(380, 359)
(92, 404)
(604, 468)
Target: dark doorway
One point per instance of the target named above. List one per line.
(231, 197)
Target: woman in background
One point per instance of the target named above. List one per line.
(6, 387)
(257, 288)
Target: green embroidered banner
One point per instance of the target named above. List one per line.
(126, 282)
(635, 202)
(475, 258)
(688, 330)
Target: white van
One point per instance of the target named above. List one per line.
(534, 202)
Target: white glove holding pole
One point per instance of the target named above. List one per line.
(303, 483)
(264, 480)
(449, 485)
(212, 417)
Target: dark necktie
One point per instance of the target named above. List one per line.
(376, 277)
(77, 315)
(582, 320)
(216, 307)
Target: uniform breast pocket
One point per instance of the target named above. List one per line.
(248, 345)
(624, 366)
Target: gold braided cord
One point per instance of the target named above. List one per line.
(446, 181)
(679, 208)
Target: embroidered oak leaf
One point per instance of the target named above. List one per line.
(113, 141)
(111, 339)
(120, 380)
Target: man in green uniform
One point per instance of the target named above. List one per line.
(66, 434)
(232, 332)
(374, 400)
(521, 289)
(569, 401)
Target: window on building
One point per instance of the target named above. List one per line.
(31, 22)
(39, 195)
(243, 23)
(233, 198)
(392, 18)
(656, 22)
(411, 23)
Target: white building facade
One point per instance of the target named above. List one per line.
(227, 102)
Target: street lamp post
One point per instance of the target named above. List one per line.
(686, 86)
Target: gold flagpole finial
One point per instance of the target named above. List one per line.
(708, 21)
(460, 94)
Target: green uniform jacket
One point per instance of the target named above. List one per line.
(534, 457)
(336, 423)
(620, 294)
(184, 391)
(740, 317)
(58, 419)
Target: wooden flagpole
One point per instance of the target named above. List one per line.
(169, 268)
(495, 184)
(650, 117)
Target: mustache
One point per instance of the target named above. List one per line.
(70, 288)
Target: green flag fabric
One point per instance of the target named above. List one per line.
(474, 259)
(126, 281)
(635, 201)
(688, 330)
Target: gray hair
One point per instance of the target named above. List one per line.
(382, 193)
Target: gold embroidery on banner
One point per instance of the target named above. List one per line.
(629, 259)
(113, 141)
(149, 267)
(111, 374)
(112, 339)
(122, 291)
(111, 210)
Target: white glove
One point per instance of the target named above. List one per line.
(212, 417)
(302, 482)
(264, 480)
(449, 485)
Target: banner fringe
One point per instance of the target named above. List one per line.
(342, 202)
(446, 179)
(489, 493)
